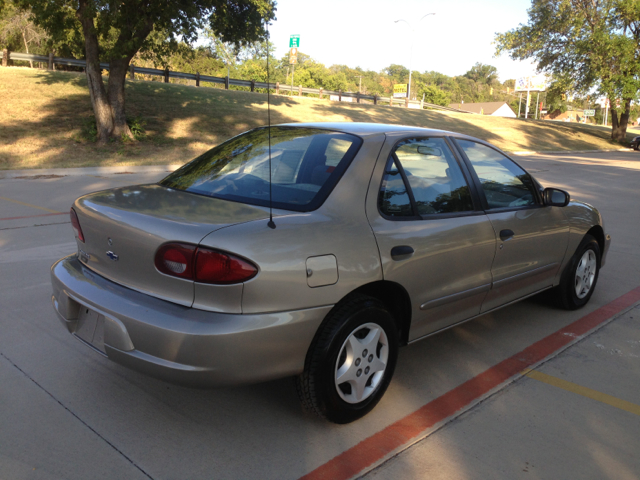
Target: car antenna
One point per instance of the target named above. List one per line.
(271, 224)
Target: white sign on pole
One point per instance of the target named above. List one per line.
(531, 83)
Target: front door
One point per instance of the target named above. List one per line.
(434, 239)
(532, 238)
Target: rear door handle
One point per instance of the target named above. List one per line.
(401, 252)
(506, 234)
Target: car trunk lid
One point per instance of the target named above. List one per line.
(124, 227)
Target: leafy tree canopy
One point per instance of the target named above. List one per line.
(114, 32)
(587, 45)
(432, 94)
(481, 73)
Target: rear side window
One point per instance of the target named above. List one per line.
(306, 163)
(394, 200)
(433, 182)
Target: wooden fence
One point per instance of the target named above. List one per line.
(52, 61)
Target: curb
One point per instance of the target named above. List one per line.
(98, 171)
(569, 152)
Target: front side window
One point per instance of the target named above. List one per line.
(306, 163)
(505, 184)
(434, 181)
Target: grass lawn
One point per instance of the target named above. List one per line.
(46, 115)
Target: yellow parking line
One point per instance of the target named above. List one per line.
(584, 391)
(29, 205)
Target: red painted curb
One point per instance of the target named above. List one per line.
(376, 447)
(33, 216)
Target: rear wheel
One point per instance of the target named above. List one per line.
(350, 362)
(581, 275)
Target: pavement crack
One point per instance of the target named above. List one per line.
(76, 416)
(38, 225)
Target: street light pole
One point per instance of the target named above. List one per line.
(411, 48)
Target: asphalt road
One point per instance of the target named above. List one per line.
(66, 412)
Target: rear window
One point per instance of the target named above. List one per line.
(306, 163)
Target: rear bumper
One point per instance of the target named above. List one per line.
(180, 344)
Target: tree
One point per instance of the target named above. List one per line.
(586, 45)
(398, 73)
(556, 99)
(483, 74)
(433, 94)
(17, 28)
(114, 32)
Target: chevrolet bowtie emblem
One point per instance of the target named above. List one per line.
(112, 256)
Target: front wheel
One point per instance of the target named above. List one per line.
(581, 275)
(350, 362)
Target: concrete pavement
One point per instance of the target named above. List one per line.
(66, 412)
(575, 416)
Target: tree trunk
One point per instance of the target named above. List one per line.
(99, 99)
(26, 46)
(619, 127)
(117, 75)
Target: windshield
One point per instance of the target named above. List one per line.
(306, 163)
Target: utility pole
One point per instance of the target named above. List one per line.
(411, 49)
(519, 104)
(293, 71)
(537, 104)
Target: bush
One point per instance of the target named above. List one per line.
(136, 125)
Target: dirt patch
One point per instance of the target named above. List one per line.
(37, 177)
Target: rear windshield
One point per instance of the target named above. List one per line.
(306, 163)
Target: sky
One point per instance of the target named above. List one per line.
(362, 33)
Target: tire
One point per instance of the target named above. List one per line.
(579, 279)
(350, 361)
(636, 146)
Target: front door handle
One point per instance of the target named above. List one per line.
(506, 234)
(401, 252)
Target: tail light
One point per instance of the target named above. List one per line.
(222, 268)
(75, 223)
(176, 259)
(203, 265)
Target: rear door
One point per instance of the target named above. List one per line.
(433, 237)
(532, 238)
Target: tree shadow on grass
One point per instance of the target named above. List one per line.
(181, 122)
(510, 134)
(184, 121)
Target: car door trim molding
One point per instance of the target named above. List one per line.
(530, 273)
(431, 334)
(455, 297)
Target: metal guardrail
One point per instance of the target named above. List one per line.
(72, 62)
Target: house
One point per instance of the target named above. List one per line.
(496, 109)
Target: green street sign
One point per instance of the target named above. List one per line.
(589, 113)
(294, 41)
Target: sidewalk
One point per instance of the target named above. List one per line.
(575, 416)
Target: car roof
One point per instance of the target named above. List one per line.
(365, 129)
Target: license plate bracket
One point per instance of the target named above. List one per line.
(90, 328)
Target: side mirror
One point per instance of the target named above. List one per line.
(431, 151)
(554, 197)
